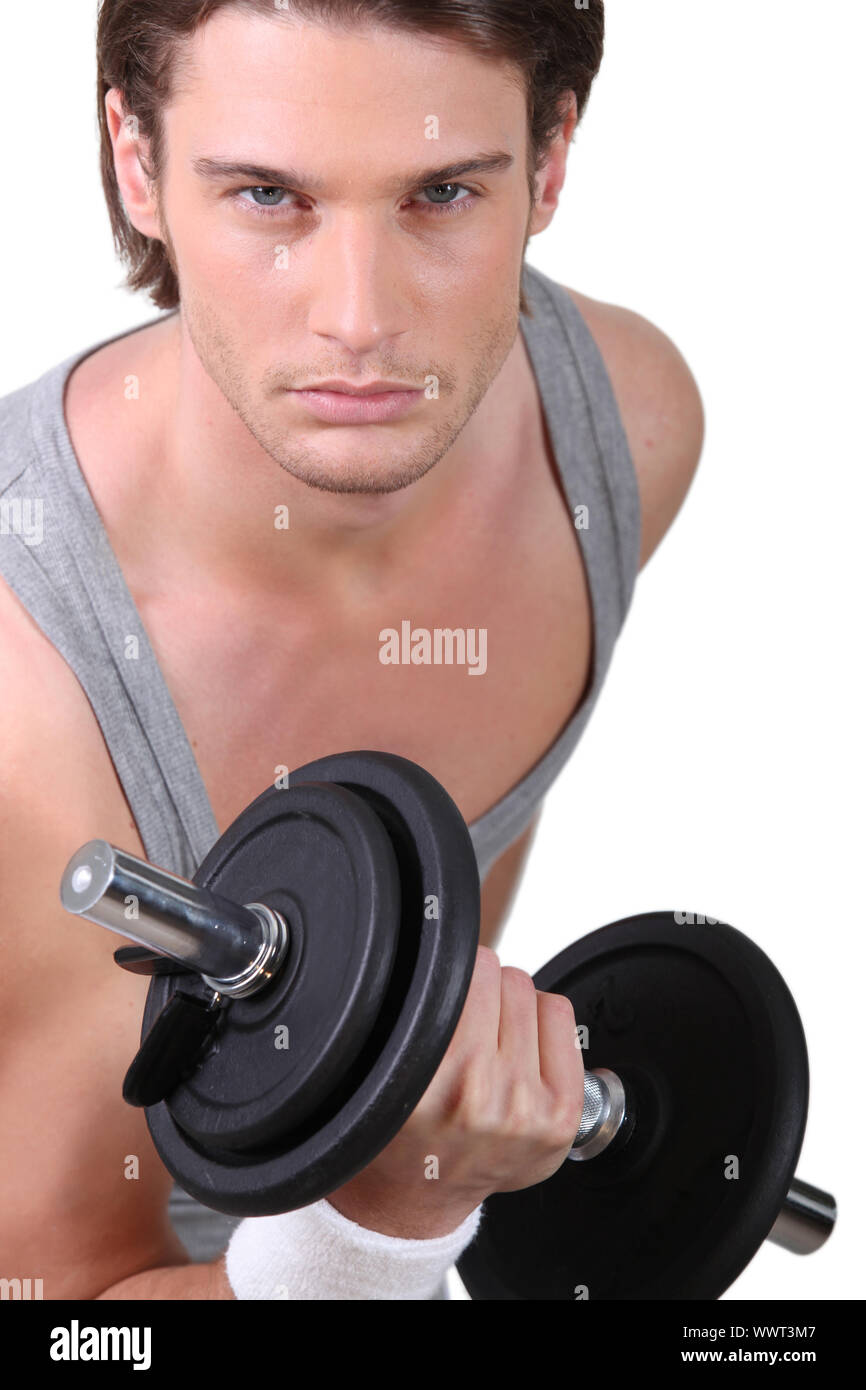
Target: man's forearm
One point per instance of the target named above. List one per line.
(189, 1281)
(316, 1252)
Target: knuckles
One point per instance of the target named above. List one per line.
(558, 1004)
(518, 981)
(565, 1121)
(487, 960)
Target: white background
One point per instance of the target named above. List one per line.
(713, 187)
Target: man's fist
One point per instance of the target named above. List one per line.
(501, 1112)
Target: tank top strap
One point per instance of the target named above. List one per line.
(594, 462)
(591, 448)
(59, 562)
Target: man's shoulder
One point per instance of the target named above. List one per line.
(98, 371)
(660, 406)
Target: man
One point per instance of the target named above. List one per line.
(228, 535)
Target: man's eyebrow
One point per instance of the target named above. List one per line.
(260, 175)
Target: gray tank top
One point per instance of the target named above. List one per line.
(55, 555)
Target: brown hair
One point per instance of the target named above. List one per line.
(556, 44)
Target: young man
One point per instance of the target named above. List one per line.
(338, 207)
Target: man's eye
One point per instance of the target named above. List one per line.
(266, 197)
(443, 199)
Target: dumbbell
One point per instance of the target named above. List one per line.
(306, 985)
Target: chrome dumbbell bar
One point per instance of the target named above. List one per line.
(235, 949)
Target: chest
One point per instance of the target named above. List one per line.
(470, 662)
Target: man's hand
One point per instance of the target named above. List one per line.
(501, 1113)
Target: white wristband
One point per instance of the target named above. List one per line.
(317, 1253)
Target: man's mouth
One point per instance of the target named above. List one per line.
(359, 388)
(341, 403)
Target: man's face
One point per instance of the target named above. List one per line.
(355, 271)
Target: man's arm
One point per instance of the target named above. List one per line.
(86, 1193)
(181, 1283)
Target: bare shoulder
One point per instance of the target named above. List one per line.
(660, 405)
(70, 1018)
(59, 782)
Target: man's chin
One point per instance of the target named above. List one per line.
(362, 470)
(352, 480)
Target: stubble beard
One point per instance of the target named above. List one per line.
(260, 407)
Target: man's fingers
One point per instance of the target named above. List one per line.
(477, 1031)
(518, 1025)
(561, 1059)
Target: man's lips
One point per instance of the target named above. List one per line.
(357, 388)
(374, 406)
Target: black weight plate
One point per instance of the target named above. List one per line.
(436, 949)
(704, 1033)
(320, 856)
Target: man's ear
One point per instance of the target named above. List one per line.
(551, 175)
(130, 156)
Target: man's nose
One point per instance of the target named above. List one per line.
(357, 286)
